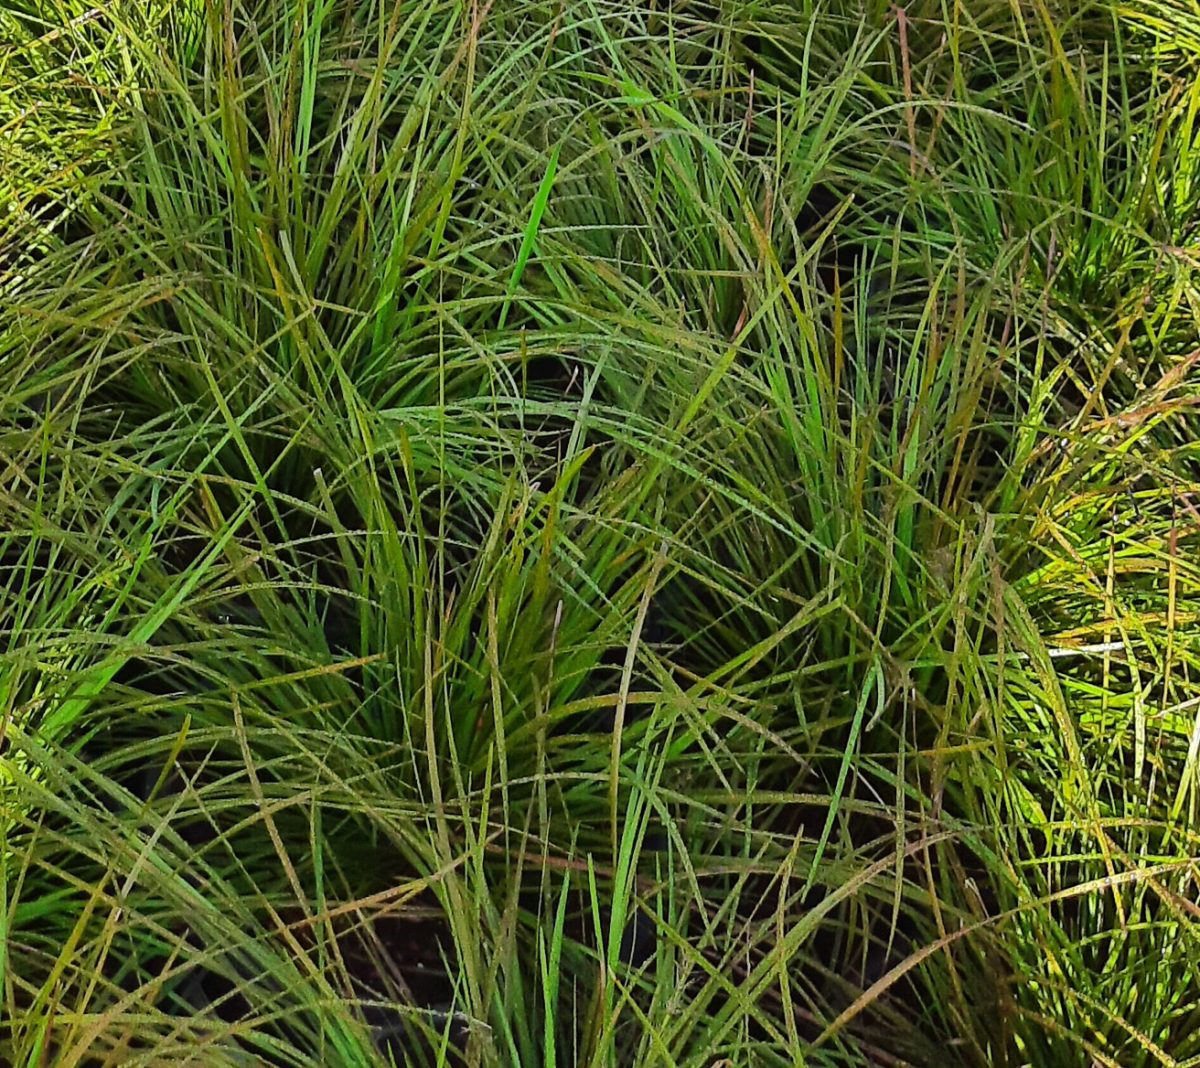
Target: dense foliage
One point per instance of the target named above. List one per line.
(599, 532)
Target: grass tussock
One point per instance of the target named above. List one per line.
(578, 532)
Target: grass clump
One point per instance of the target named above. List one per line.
(599, 533)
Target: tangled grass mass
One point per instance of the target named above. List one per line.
(600, 533)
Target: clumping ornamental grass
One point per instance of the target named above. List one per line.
(599, 533)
